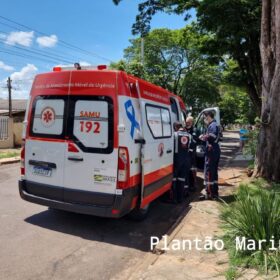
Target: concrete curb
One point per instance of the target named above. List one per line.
(9, 160)
(173, 230)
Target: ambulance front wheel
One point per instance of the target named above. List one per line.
(139, 214)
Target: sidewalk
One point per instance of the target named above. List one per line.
(200, 220)
(9, 156)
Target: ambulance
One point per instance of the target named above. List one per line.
(98, 142)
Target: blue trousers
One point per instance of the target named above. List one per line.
(212, 158)
(181, 169)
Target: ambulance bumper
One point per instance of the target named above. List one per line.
(114, 206)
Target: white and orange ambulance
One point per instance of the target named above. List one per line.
(98, 142)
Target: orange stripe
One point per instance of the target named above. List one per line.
(134, 201)
(158, 174)
(156, 194)
(134, 180)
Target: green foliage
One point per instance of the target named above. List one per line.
(233, 29)
(9, 154)
(255, 215)
(232, 273)
(173, 60)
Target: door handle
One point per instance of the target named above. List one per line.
(139, 141)
(76, 158)
(42, 163)
(169, 151)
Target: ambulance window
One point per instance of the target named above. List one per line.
(154, 120)
(91, 126)
(158, 119)
(174, 109)
(166, 123)
(47, 117)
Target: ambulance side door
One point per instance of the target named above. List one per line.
(157, 152)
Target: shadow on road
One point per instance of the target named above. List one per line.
(124, 232)
(120, 232)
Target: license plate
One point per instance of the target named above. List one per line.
(42, 171)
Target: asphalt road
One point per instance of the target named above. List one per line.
(38, 243)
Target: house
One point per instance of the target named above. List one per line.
(11, 128)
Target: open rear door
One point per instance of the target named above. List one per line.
(157, 148)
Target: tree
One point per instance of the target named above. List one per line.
(235, 104)
(233, 25)
(268, 153)
(173, 60)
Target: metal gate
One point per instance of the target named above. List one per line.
(4, 128)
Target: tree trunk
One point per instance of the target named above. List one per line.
(268, 153)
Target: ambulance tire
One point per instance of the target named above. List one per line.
(139, 214)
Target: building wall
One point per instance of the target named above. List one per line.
(17, 130)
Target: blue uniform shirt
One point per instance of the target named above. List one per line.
(212, 134)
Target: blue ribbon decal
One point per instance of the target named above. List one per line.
(131, 117)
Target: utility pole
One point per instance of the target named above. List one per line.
(142, 51)
(9, 86)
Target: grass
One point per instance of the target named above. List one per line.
(9, 154)
(255, 215)
(232, 273)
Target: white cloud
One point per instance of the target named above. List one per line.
(21, 82)
(85, 63)
(5, 67)
(20, 37)
(26, 73)
(47, 41)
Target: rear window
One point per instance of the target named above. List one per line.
(87, 120)
(91, 125)
(48, 117)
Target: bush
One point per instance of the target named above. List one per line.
(255, 215)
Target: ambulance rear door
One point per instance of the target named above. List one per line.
(157, 152)
(90, 175)
(45, 142)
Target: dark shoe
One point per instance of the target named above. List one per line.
(216, 197)
(205, 197)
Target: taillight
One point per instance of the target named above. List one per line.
(72, 148)
(123, 168)
(22, 158)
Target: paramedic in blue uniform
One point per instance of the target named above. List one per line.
(212, 156)
(182, 141)
(191, 177)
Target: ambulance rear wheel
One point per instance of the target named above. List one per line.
(139, 214)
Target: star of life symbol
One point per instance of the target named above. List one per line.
(48, 117)
(184, 140)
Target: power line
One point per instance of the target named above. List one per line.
(73, 47)
(40, 54)
(57, 54)
(2, 50)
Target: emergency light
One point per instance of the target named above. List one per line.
(78, 67)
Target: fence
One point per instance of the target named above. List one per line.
(4, 128)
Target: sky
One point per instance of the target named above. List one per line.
(37, 35)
